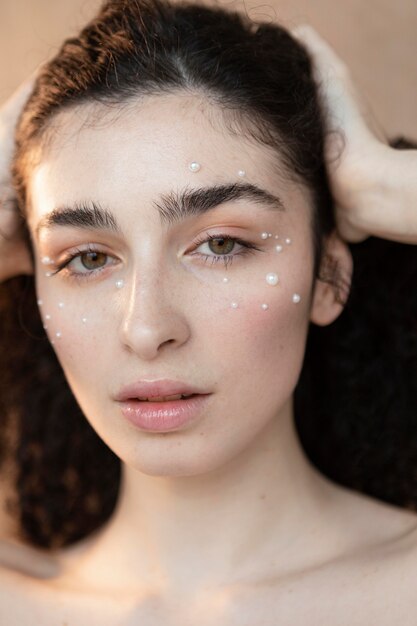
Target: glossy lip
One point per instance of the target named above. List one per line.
(156, 388)
(163, 416)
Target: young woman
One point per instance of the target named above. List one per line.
(170, 175)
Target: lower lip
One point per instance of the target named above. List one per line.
(164, 416)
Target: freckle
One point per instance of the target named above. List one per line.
(234, 305)
(61, 305)
(264, 235)
(264, 307)
(58, 334)
(278, 248)
(296, 298)
(288, 241)
(225, 280)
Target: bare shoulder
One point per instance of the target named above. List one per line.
(371, 522)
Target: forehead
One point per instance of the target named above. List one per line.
(142, 149)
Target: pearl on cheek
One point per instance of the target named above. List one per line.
(272, 278)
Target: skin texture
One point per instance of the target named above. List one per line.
(222, 521)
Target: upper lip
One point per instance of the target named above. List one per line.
(156, 388)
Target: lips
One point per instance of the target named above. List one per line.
(162, 390)
(178, 396)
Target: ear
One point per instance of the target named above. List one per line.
(332, 287)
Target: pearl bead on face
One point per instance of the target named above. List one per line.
(194, 166)
(119, 284)
(272, 278)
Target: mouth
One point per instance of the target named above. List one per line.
(178, 396)
(164, 413)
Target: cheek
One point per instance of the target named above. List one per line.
(255, 328)
(75, 325)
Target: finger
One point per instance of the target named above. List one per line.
(346, 107)
(327, 61)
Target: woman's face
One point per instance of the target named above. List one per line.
(148, 296)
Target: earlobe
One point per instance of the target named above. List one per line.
(332, 286)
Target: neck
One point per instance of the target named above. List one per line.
(188, 532)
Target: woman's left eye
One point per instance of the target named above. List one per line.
(223, 248)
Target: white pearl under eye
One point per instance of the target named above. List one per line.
(272, 278)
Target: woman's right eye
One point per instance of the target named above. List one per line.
(84, 263)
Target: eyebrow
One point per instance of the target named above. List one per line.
(173, 207)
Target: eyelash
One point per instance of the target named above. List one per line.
(248, 248)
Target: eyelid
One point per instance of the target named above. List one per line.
(247, 248)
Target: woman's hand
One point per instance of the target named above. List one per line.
(374, 185)
(14, 254)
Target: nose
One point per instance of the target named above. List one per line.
(152, 317)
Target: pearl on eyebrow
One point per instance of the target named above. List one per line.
(272, 278)
(194, 166)
(241, 173)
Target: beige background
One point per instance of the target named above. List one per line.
(377, 38)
